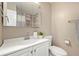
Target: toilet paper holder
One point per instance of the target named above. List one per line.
(67, 42)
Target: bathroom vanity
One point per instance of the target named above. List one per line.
(21, 47)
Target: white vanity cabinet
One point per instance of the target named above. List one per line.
(41, 49)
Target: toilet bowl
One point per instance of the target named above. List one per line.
(54, 50)
(57, 51)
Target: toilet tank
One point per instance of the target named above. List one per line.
(50, 39)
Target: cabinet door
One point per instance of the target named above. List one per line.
(27, 52)
(41, 49)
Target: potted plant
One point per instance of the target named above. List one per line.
(40, 34)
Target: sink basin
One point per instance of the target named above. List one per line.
(28, 41)
(18, 41)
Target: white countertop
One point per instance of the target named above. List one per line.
(15, 44)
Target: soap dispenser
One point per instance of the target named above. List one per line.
(35, 35)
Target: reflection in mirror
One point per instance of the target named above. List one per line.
(22, 14)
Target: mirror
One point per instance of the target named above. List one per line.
(22, 14)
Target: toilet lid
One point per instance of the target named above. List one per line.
(57, 51)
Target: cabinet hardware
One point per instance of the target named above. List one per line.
(31, 52)
(35, 50)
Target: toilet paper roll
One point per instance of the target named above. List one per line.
(67, 42)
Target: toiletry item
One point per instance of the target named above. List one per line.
(35, 34)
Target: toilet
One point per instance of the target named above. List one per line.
(55, 50)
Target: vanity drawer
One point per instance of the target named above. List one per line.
(23, 52)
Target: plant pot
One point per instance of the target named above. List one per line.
(40, 36)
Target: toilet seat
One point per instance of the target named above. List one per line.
(57, 51)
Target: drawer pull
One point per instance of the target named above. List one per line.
(35, 50)
(31, 52)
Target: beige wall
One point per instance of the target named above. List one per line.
(11, 32)
(61, 13)
(46, 18)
